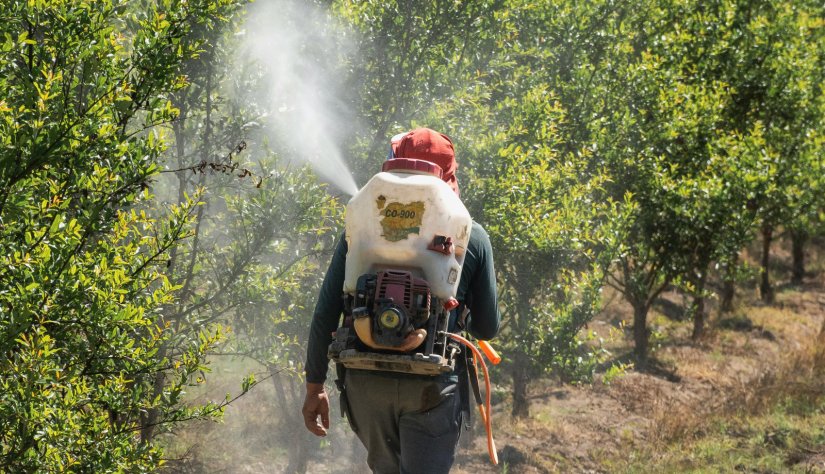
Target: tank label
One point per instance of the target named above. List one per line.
(398, 220)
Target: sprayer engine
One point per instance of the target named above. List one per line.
(396, 302)
(393, 323)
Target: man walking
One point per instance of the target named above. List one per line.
(408, 423)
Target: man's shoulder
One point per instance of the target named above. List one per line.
(478, 233)
(479, 239)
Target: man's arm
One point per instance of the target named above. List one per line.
(484, 315)
(327, 316)
(325, 320)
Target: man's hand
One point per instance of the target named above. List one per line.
(316, 404)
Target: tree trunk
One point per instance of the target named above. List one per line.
(149, 418)
(728, 291)
(640, 332)
(729, 284)
(521, 406)
(765, 288)
(698, 306)
(798, 240)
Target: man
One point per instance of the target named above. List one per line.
(408, 423)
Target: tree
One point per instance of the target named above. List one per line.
(554, 234)
(712, 172)
(663, 135)
(553, 228)
(259, 229)
(776, 72)
(84, 86)
(410, 55)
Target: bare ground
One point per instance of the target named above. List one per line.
(575, 429)
(592, 428)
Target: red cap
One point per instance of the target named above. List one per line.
(429, 145)
(413, 165)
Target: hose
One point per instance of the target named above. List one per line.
(486, 415)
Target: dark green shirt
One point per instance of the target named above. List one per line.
(476, 289)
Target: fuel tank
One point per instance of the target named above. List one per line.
(407, 218)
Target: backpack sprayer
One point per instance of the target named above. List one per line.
(407, 233)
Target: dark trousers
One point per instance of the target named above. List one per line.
(409, 424)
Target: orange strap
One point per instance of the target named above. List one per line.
(486, 413)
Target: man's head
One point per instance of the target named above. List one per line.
(428, 145)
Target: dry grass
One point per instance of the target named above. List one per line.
(752, 397)
(747, 397)
(797, 377)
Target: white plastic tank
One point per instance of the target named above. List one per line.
(396, 216)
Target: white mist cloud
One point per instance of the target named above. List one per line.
(300, 47)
